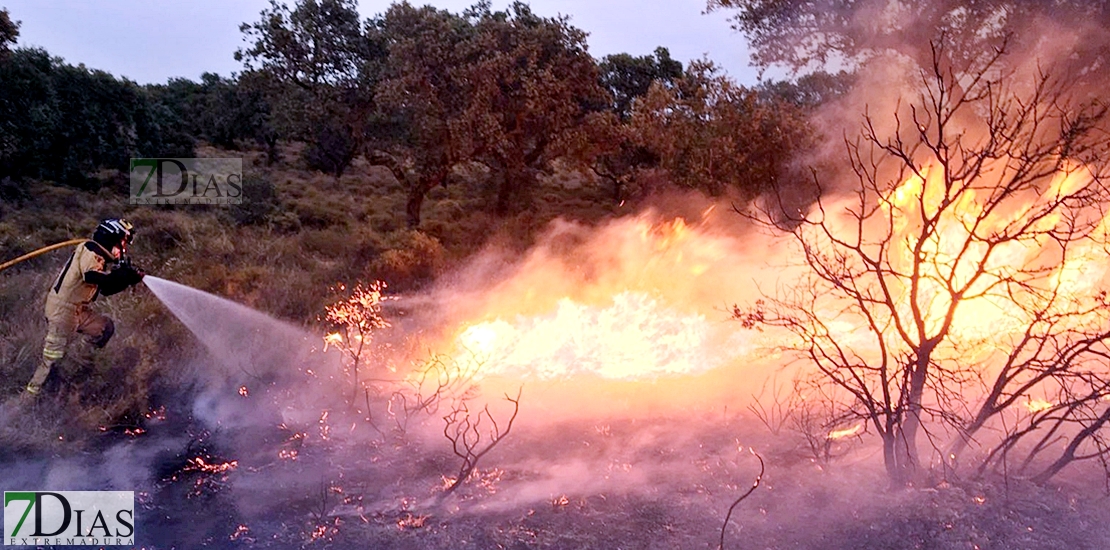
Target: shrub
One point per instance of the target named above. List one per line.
(416, 258)
(260, 202)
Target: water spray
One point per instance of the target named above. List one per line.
(243, 340)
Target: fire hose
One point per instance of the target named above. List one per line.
(42, 250)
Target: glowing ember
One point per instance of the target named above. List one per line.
(360, 313)
(447, 481)
(333, 338)
(156, 414)
(199, 465)
(410, 521)
(241, 532)
(325, 429)
(243, 391)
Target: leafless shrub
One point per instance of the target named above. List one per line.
(473, 435)
(441, 378)
(358, 317)
(824, 425)
(982, 206)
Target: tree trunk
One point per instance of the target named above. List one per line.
(416, 201)
(1068, 456)
(906, 452)
(890, 460)
(417, 192)
(511, 180)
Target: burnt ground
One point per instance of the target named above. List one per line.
(658, 483)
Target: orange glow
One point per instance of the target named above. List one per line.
(846, 432)
(634, 311)
(199, 465)
(1038, 405)
(634, 337)
(638, 299)
(954, 251)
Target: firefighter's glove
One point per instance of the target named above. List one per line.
(122, 277)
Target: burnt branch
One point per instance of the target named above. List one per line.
(952, 286)
(472, 436)
(735, 503)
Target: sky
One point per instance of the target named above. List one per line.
(151, 41)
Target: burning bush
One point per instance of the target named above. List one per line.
(961, 276)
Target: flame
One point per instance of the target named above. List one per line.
(635, 336)
(1038, 405)
(638, 299)
(642, 298)
(846, 432)
(952, 251)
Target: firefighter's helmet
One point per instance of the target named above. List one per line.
(114, 232)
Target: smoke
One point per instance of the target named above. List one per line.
(629, 317)
(635, 379)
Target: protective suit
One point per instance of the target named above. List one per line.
(92, 270)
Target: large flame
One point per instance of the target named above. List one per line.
(635, 336)
(645, 297)
(951, 250)
(638, 299)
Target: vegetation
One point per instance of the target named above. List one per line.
(396, 147)
(916, 261)
(826, 33)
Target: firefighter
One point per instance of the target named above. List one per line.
(97, 266)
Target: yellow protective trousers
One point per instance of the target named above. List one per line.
(97, 329)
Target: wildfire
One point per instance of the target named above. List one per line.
(641, 298)
(953, 251)
(636, 336)
(637, 299)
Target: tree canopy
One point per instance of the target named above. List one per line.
(628, 77)
(428, 93)
(804, 35)
(9, 32)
